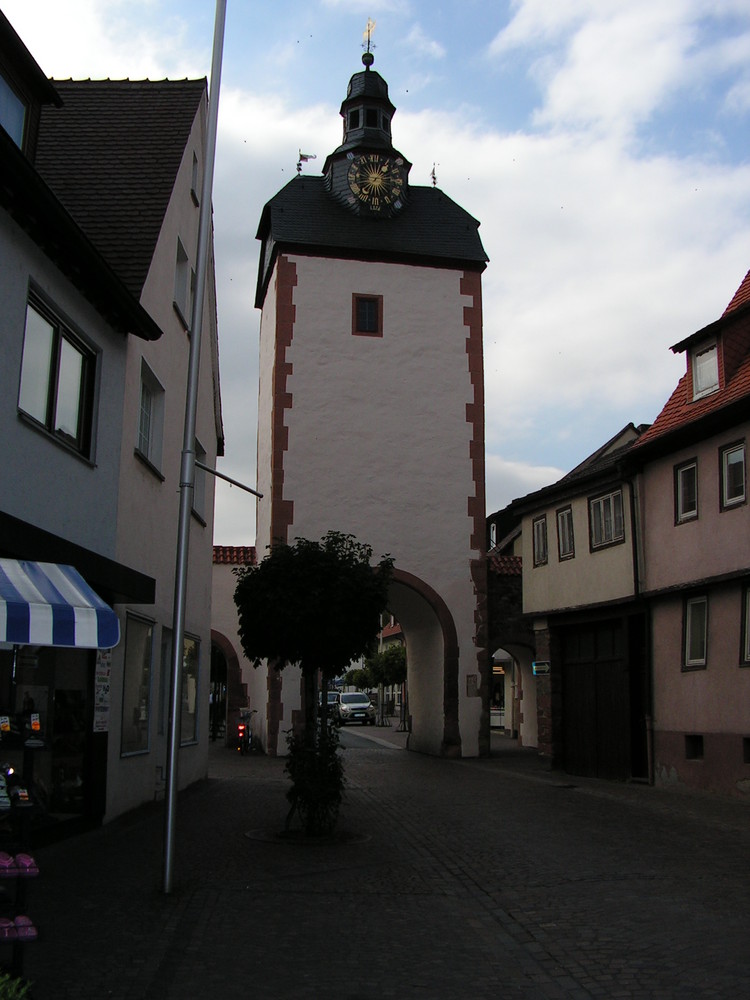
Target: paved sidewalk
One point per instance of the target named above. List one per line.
(467, 880)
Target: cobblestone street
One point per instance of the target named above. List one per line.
(458, 879)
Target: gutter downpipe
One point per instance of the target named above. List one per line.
(187, 467)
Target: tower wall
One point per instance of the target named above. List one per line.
(382, 437)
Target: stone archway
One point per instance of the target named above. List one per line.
(432, 650)
(236, 689)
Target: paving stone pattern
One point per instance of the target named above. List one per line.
(456, 879)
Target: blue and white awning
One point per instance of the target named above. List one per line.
(44, 604)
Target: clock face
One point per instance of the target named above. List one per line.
(377, 181)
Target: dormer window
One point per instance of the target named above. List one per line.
(705, 371)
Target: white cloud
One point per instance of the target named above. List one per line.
(601, 257)
(423, 45)
(508, 480)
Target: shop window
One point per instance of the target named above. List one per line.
(190, 678)
(136, 692)
(57, 378)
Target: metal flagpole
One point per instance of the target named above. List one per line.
(187, 467)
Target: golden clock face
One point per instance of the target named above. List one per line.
(377, 181)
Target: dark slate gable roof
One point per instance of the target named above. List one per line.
(111, 155)
(432, 230)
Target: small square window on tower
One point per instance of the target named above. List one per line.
(367, 315)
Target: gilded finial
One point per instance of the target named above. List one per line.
(368, 58)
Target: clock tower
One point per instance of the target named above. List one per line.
(366, 174)
(371, 408)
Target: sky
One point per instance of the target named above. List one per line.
(604, 146)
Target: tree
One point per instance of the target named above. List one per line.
(318, 605)
(388, 666)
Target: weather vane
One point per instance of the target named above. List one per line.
(433, 175)
(303, 158)
(368, 58)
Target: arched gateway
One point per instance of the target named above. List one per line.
(371, 406)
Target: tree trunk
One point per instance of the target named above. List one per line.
(310, 687)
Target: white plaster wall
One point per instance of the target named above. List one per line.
(43, 482)
(148, 507)
(379, 443)
(605, 574)
(267, 355)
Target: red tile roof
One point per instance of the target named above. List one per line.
(733, 340)
(506, 565)
(235, 555)
(741, 296)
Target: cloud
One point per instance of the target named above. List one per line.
(422, 44)
(603, 251)
(609, 67)
(507, 480)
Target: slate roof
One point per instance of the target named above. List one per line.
(235, 555)
(682, 416)
(431, 229)
(111, 155)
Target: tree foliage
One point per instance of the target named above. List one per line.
(388, 666)
(316, 604)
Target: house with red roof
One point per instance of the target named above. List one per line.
(636, 587)
(695, 539)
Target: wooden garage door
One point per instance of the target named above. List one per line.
(596, 701)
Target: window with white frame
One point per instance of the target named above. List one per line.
(57, 378)
(136, 685)
(696, 632)
(686, 491)
(705, 370)
(565, 540)
(733, 475)
(540, 540)
(606, 521)
(150, 417)
(184, 286)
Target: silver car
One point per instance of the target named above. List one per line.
(353, 706)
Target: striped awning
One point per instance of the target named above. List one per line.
(45, 604)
